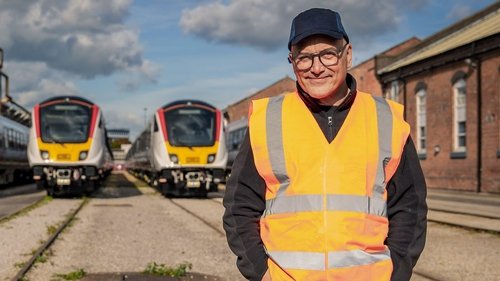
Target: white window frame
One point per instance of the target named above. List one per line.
(459, 115)
(393, 93)
(421, 112)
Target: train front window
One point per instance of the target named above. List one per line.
(190, 126)
(62, 123)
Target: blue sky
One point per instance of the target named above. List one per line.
(131, 57)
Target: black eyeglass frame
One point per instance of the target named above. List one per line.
(338, 55)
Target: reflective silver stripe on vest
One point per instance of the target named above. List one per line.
(294, 204)
(314, 203)
(317, 261)
(298, 260)
(355, 258)
(384, 124)
(274, 131)
(356, 203)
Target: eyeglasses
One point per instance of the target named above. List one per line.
(328, 57)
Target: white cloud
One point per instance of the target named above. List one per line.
(148, 71)
(266, 24)
(87, 38)
(32, 83)
(459, 11)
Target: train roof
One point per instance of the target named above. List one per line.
(67, 98)
(188, 102)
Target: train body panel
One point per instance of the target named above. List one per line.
(182, 150)
(14, 165)
(235, 133)
(68, 147)
(14, 127)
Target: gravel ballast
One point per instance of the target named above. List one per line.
(123, 230)
(25, 233)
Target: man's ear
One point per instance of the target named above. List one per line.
(349, 56)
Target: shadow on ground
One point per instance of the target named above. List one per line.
(144, 277)
(117, 186)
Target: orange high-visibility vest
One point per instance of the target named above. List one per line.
(326, 203)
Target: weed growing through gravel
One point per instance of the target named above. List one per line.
(44, 257)
(180, 270)
(74, 275)
(51, 229)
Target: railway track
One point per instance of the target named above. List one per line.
(200, 218)
(46, 245)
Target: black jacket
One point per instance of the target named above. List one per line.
(244, 200)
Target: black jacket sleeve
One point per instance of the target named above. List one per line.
(244, 201)
(407, 213)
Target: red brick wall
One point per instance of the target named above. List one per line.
(440, 170)
(240, 109)
(367, 82)
(490, 72)
(365, 72)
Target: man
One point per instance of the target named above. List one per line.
(327, 184)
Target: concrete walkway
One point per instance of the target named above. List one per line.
(467, 209)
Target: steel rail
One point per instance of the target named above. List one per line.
(45, 246)
(207, 223)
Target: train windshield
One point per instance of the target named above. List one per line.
(63, 123)
(190, 126)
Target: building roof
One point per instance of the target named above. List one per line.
(284, 79)
(480, 25)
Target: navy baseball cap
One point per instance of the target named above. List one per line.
(316, 21)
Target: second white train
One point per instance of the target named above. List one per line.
(182, 151)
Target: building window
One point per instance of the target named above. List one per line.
(393, 93)
(421, 121)
(459, 116)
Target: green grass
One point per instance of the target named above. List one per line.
(51, 229)
(74, 275)
(180, 270)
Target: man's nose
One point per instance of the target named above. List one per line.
(317, 65)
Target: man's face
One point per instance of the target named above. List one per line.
(320, 81)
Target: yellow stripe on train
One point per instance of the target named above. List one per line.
(64, 152)
(196, 155)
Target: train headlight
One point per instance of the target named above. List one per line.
(44, 154)
(83, 155)
(174, 158)
(211, 158)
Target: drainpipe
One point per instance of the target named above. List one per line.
(404, 98)
(479, 126)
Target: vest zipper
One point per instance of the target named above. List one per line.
(330, 126)
(325, 192)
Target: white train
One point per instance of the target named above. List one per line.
(14, 167)
(68, 148)
(235, 133)
(182, 151)
(14, 127)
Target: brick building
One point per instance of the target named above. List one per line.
(239, 109)
(449, 84)
(365, 72)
